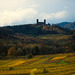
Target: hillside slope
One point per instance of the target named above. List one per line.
(39, 29)
(5, 32)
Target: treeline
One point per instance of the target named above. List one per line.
(39, 49)
(32, 29)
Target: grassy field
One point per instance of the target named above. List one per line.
(53, 64)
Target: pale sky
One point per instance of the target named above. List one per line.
(14, 12)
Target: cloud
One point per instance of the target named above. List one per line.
(27, 16)
(57, 15)
(11, 4)
(26, 11)
(35, 5)
(61, 14)
(9, 17)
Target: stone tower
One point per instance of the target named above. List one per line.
(44, 21)
(41, 23)
(37, 21)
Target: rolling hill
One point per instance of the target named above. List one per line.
(63, 23)
(67, 25)
(70, 26)
(39, 29)
(48, 39)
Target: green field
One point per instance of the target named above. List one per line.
(54, 64)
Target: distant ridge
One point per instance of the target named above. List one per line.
(63, 23)
(67, 25)
(70, 26)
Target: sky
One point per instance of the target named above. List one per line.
(15, 12)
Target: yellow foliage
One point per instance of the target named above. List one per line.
(37, 65)
(33, 71)
(17, 63)
(61, 57)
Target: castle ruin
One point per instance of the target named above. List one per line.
(41, 23)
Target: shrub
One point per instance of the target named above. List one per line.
(29, 55)
(11, 68)
(45, 71)
(12, 51)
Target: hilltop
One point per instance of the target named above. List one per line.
(39, 28)
(33, 29)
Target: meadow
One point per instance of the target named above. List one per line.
(52, 64)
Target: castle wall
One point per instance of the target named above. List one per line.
(41, 23)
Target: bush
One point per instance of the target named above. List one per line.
(12, 51)
(3, 56)
(0, 58)
(29, 55)
(20, 51)
(45, 71)
(11, 68)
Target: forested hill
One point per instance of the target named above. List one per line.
(39, 29)
(63, 23)
(70, 26)
(36, 39)
(67, 25)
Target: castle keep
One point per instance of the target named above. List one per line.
(41, 23)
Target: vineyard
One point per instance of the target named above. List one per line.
(53, 64)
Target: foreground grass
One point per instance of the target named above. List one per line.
(55, 64)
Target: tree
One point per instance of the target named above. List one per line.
(28, 56)
(35, 50)
(67, 49)
(3, 49)
(20, 51)
(3, 56)
(12, 51)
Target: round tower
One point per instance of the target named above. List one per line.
(37, 21)
(45, 21)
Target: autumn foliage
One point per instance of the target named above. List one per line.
(12, 51)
